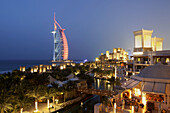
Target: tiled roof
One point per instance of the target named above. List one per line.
(157, 71)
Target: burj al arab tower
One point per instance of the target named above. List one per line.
(60, 43)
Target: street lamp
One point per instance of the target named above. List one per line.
(56, 103)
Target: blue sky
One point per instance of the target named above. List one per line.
(92, 26)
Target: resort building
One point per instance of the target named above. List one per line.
(114, 61)
(22, 68)
(60, 43)
(148, 50)
(151, 87)
(108, 60)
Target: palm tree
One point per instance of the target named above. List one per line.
(38, 82)
(105, 102)
(21, 98)
(5, 93)
(49, 92)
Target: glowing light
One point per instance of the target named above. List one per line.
(138, 59)
(48, 103)
(107, 54)
(130, 94)
(40, 70)
(108, 86)
(44, 69)
(64, 66)
(98, 83)
(22, 68)
(85, 61)
(48, 67)
(63, 38)
(55, 27)
(157, 44)
(21, 110)
(54, 65)
(36, 106)
(56, 101)
(115, 107)
(114, 50)
(137, 92)
(138, 41)
(132, 109)
(158, 59)
(115, 72)
(144, 98)
(32, 70)
(81, 63)
(65, 54)
(73, 64)
(35, 69)
(137, 53)
(97, 59)
(122, 64)
(147, 41)
(61, 67)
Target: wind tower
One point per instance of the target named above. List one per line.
(60, 43)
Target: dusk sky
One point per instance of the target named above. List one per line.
(92, 26)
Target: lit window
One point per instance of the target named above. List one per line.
(167, 60)
(138, 41)
(158, 46)
(138, 59)
(158, 59)
(147, 41)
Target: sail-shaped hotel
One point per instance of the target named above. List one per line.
(60, 43)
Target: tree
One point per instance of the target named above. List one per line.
(21, 100)
(37, 83)
(6, 91)
(105, 102)
(49, 92)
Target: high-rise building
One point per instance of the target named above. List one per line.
(60, 43)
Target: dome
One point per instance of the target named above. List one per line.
(157, 71)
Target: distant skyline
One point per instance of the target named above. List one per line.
(92, 26)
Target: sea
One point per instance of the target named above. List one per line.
(9, 65)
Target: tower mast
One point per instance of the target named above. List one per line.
(60, 43)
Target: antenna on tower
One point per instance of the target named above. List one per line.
(56, 22)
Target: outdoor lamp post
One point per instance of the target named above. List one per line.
(56, 103)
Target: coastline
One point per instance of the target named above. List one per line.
(10, 65)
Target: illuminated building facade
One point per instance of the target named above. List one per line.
(60, 43)
(151, 87)
(148, 50)
(108, 60)
(144, 42)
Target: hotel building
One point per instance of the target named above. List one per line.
(148, 50)
(113, 61)
(108, 60)
(151, 87)
(151, 69)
